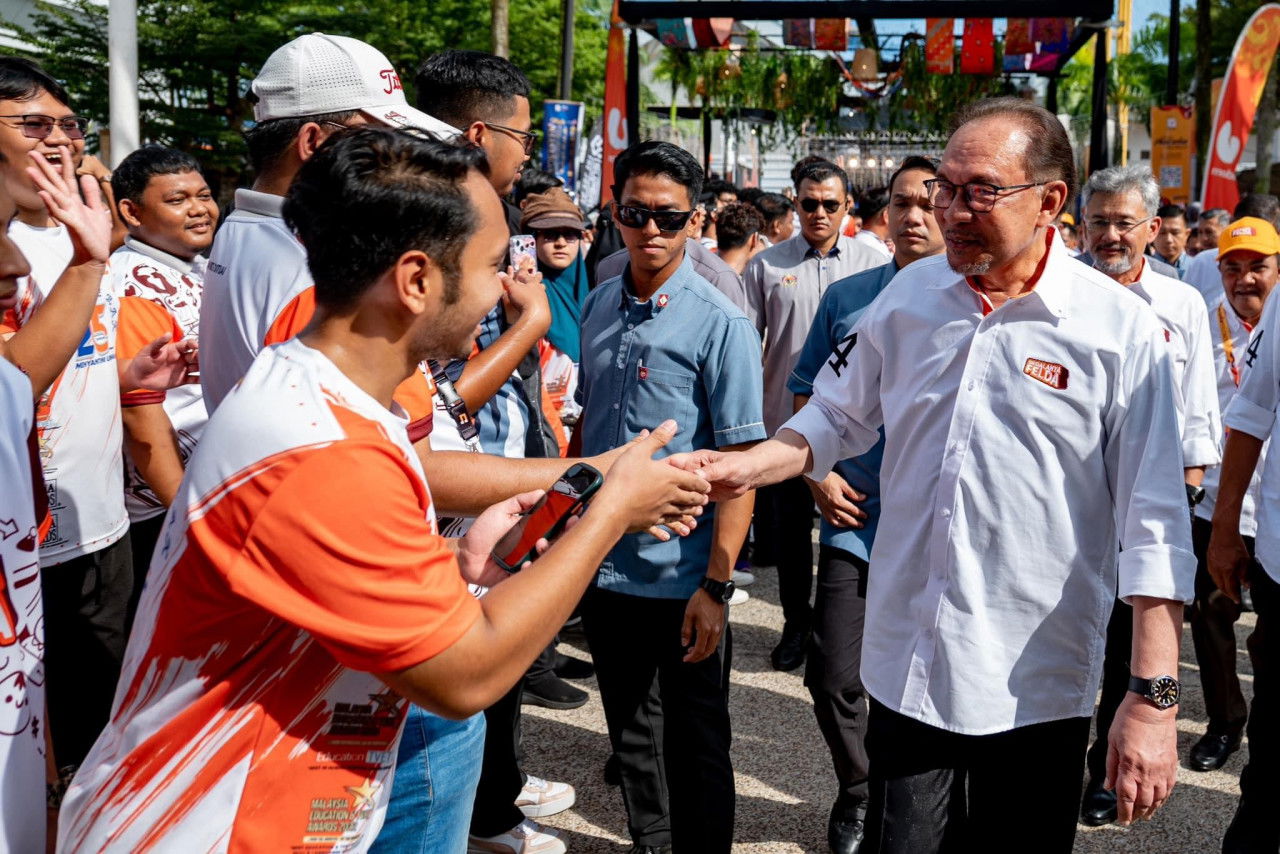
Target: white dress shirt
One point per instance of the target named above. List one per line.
(1021, 445)
(1203, 275)
(1186, 329)
(1230, 336)
(1253, 411)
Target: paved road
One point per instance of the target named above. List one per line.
(784, 778)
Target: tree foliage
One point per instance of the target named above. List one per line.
(197, 57)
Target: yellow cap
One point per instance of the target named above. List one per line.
(1067, 219)
(1249, 233)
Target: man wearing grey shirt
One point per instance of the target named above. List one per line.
(784, 285)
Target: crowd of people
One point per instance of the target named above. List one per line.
(257, 462)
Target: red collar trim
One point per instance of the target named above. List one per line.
(975, 282)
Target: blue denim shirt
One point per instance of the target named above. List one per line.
(841, 307)
(686, 353)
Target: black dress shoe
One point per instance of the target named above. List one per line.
(789, 653)
(568, 667)
(552, 692)
(1212, 751)
(845, 830)
(1098, 807)
(650, 849)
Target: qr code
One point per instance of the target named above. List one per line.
(1170, 176)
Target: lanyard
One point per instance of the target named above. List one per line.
(1228, 348)
(456, 406)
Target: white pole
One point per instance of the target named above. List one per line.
(122, 49)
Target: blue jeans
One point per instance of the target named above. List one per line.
(437, 770)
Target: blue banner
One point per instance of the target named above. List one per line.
(561, 128)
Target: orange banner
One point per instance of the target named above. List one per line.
(940, 45)
(1173, 139)
(1233, 118)
(615, 103)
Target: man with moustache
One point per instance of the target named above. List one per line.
(784, 285)
(1027, 406)
(849, 499)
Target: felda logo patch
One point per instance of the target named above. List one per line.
(1050, 373)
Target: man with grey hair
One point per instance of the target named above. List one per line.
(1202, 274)
(1120, 221)
(1029, 426)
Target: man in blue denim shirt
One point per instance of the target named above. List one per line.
(850, 503)
(660, 342)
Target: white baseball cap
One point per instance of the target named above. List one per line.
(320, 73)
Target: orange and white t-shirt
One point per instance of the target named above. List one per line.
(21, 626)
(291, 568)
(158, 293)
(78, 418)
(258, 292)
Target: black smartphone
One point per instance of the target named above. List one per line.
(567, 497)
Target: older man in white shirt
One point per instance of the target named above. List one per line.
(1121, 220)
(1028, 407)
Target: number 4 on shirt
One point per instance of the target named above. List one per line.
(1252, 349)
(840, 355)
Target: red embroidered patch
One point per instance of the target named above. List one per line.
(644, 373)
(1167, 336)
(1050, 373)
(662, 300)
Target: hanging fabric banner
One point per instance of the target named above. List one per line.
(1053, 34)
(978, 51)
(615, 104)
(798, 32)
(1017, 37)
(673, 32)
(1016, 62)
(1043, 62)
(940, 46)
(1233, 119)
(712, 32)
(831, 34)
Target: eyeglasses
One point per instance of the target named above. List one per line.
(633, 217)
(978, 196)
(527, 138)
(35, 126)
(828, 205)
(1098, 225)
(551, 235)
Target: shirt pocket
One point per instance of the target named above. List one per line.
(663, 393)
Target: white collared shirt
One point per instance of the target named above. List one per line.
(1186, 329)
(1230, 336)
(1203, 275)
(1253, 411)
(1020, 446)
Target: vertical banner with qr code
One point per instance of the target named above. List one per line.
(561, 128)
(1173, 134)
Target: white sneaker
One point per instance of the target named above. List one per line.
(527, 837)
(540, 798)
(742, 578)
(739, 596)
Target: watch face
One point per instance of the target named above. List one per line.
(1164, 691)
(729, 587)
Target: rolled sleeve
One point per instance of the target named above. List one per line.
(735, 385)
(1157, 571)
(1248, 417)
(821, 427)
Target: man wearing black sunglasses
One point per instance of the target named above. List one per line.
(784, 286)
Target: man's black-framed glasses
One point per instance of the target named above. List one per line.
(669, 221)
(527, 138)
(979, 196)
(828, 205)
(36, 126)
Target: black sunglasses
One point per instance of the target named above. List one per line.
(551, 235)
(633, 217)
(828, 205)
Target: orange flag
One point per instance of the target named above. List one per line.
(940, 45)
(615, 103)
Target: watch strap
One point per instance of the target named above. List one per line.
(721, 591)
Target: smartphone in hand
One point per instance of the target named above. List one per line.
(523, 252)
(568, 497)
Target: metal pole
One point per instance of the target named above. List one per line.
(1175, 47)
(633, 88)
(566, 51)
(1051, 96)
(122, 78)
(1098, 131)
(706, 140)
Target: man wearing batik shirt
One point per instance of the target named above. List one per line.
(1029, 423)
(158, 275)
(301, 596)
(1120, 221)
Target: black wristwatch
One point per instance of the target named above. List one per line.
(721, 591)
(1195, 494)
(1161, 691)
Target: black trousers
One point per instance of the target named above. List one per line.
(1254, 830)
(143, 537)
(501, 779)
(938, 791)
(1213, 618)
(86, 601)
(790, 515)
(833, 672)
(1115, 683)
(681, 758)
